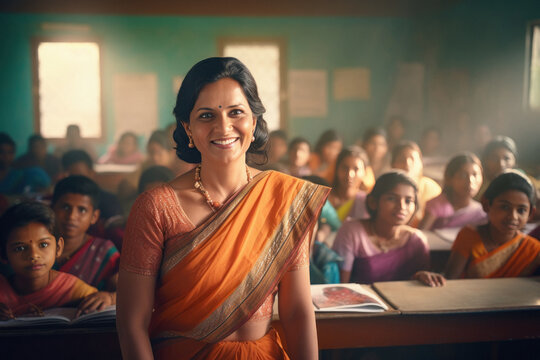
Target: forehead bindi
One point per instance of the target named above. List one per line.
(29, 233)
(223, 93)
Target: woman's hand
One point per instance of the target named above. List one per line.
(5, 312)
(96, 301)
(430, 278)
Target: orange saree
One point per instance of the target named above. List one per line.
(212, 278)
(514, 258)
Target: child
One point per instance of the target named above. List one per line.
(499, 248)
(346, 196)
(94, 260)
(322, 161)
(383, 247)
(376, 147)
(30, 249)
(126, 152)
(298, 157)
(455, 206)
(408, 157)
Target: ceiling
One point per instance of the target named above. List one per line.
(399, 8)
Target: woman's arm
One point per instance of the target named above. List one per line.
(344, 276)
(135, 301)
(427, 221)
(297, 314)
(456, 265)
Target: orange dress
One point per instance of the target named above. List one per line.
(215, 277)
(511, 259)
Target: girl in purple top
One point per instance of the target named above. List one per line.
(383, 247)
(455, 206)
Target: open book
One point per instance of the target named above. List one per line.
(64, 316)
(345, 298)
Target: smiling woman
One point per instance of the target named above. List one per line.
(205, 280)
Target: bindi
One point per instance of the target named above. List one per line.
(219, 106)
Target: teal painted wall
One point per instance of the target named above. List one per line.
(169, 46)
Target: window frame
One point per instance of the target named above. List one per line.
(35, 42)
(529, 37)
(282, 45)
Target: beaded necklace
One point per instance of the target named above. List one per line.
(214, 205)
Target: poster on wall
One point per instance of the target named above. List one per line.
(135, 104)
(352, 84)
(308, 93)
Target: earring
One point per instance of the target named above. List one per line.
(191, 145)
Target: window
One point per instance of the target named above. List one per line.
(532, 83)
(264, 59)
(68, 88)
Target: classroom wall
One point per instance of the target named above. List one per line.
(169, 45)
(476, 57)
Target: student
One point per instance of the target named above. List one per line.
(78, 162)
(499, 249)
(383, 247)
(276, 146)
(153, 177)
(74, 141)
(323, 161)
(408, 157)
(37, 156)
(455, 206)
(395, 129)
(19, 181)
(376, 147)
(499, 155)
(30, 249)
(298, 157)
(126, 152)
(94, 260)
(346, 196)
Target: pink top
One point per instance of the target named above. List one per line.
(447, 217)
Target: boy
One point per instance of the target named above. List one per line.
(28, 246)
(94, 260)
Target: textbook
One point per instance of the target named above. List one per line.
(64, 316)
(345, 298)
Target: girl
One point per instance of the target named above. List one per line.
(408, 157)
(499, 155)
(322, 161)
(28, 245)
(384, 248)
(126, 152)
(499, 248)
(346, 196)
(455, 206)
(376, 147)
(298, 157)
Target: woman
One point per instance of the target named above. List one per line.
(322, 161)
(346, 196)
(215, 272)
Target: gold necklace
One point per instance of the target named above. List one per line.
(385, 245)
(214, 205)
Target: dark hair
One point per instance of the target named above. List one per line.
(326, 137)
(457, 162)
(155, 174)
(296, 141)
(6, 139)
(160, 137)
(34, 139)
(128, 134)
(350, 151)
(387, 182)
(76, 156)
(206, 72)
(402, 145)
(500, 142)
(282, 134)
(77, 184)
(21, 215)
(510, 180)
(372, 132)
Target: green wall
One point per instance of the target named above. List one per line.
(169, 46)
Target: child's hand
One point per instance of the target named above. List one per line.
(430, 278)
(5, 312)
(96, 301)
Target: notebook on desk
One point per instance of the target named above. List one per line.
(464, 295)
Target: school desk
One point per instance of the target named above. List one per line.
(493, 310)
